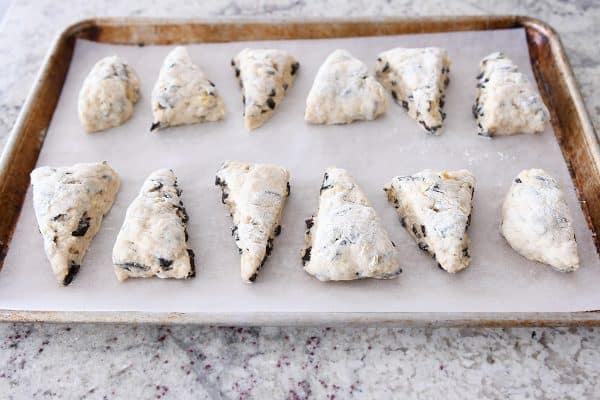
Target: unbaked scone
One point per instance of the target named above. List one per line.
(108, 94)
(255, 195)
(344, 91)
(153, 238)
(265, 75)
(417, 79)
(435, 208)
(345, 239)
(507, 103)
(69, 204)
(183, 94)
(536, 221)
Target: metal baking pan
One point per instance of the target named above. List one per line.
(572, 127)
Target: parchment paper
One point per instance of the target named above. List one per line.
(498, 280)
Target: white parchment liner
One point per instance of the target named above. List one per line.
(374, 152)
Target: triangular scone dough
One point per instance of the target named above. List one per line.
(344, 91)
(153, 238)
(507, 103)
(417, 79)
(255, 195)
(537, 223)
(265, 75)
(183, 94)
(435, 209)
(108, 94)
(345, 240)
(69, 204)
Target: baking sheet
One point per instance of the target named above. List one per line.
(499, 280)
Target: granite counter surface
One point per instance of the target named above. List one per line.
(178, 362)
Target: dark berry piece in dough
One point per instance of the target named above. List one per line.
(129, 265)
(157, 186)
(324, 186)
(309, 223)
(306, 255)
(165, 264)
(73, 270)
(182, 213)
(192, 264)
(295, 67)
(155, 125)
(271, 103)
(82, 226)
(57, 217)
(415, 231)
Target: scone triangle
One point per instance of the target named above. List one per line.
(108, 94)
(345, 239)
(153, 238)
(417, 79)
(69, 204)
(344, 91)
(255, 195)
(183, 94)
(507, 102)
(536, 221)
(265, 76)
(435, 209)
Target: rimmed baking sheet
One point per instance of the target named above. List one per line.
(499, 280)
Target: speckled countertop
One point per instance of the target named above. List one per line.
(179, 362)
